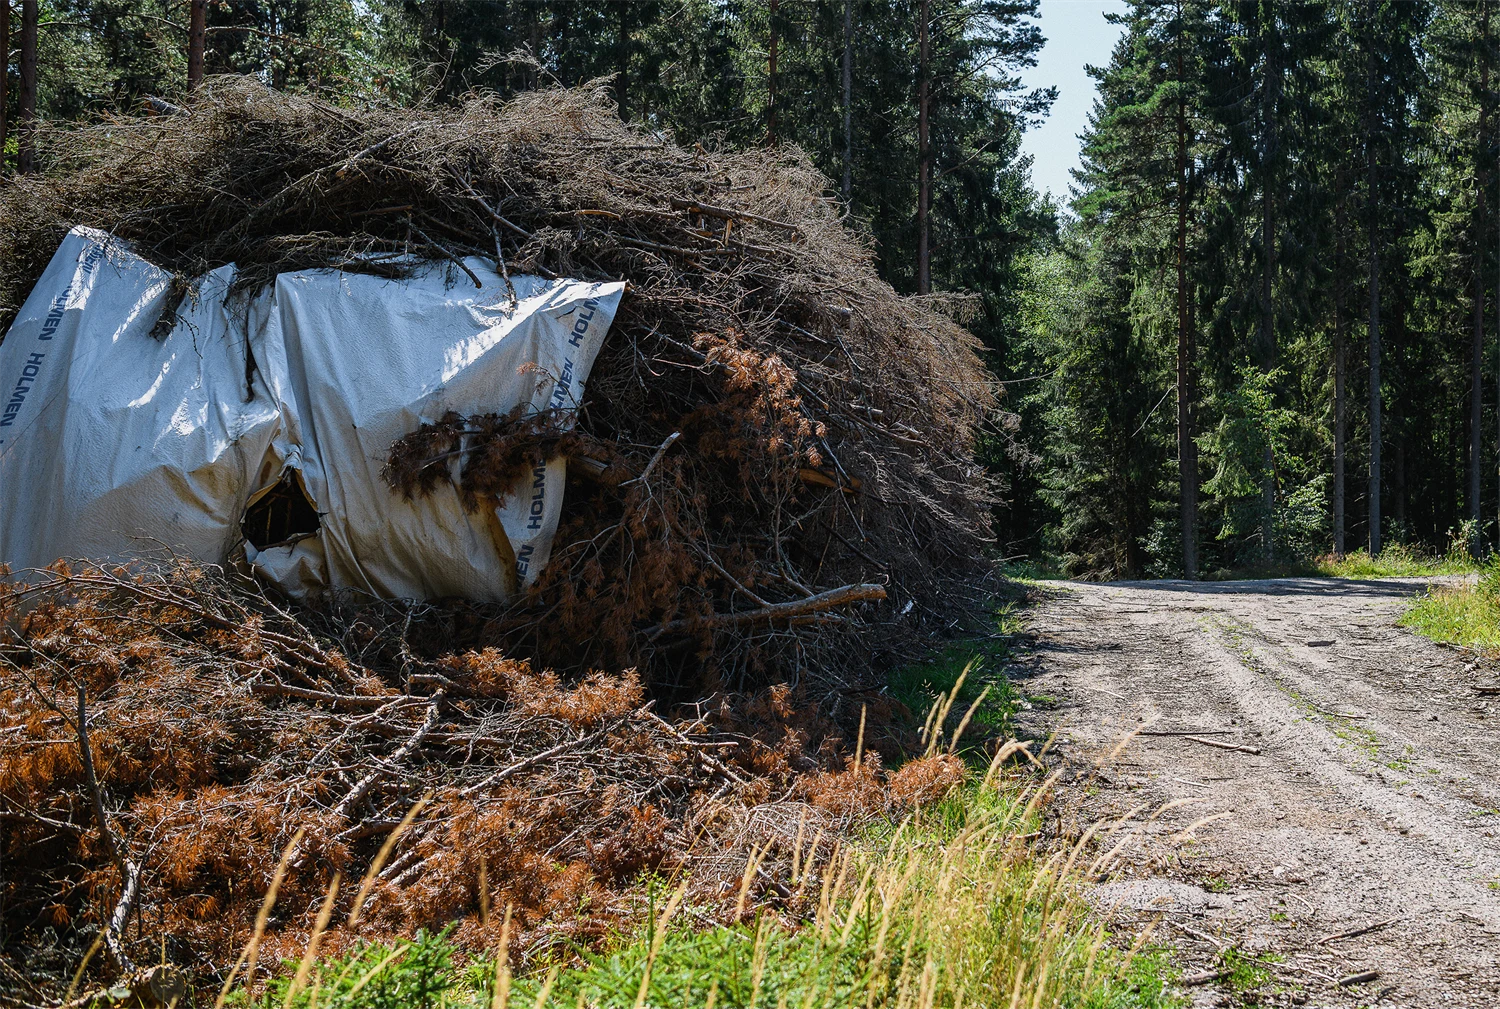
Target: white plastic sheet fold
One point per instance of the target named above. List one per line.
(117, 440)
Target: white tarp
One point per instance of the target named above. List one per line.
(115, 442)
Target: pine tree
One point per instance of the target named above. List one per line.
(1141, 183)
(1462, 50)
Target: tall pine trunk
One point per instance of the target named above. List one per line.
(26, 97)
(1187, 448)
(1373, 185)
(924, 153)
(771, 73)
(622, 62)
(1340, 367)
(848, 69)
(1476, 398)
(1270, 111)
(5, 75)
(197, 36)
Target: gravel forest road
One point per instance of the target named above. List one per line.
(1374, 798)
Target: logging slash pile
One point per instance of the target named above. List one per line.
(772, 470)
(772, 493)
(169, 737)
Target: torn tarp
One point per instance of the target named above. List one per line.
(117, 440)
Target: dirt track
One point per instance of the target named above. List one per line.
(1376, 794)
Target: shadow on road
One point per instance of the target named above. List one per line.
(1387, 588)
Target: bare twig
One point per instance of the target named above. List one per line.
(130, 873)
(532, 761)
(1361, 930)
(708, 761)
(448, 254)
(730, 214)
(660, 451)
(362, 789)
(1220, 744)
(1205, 977)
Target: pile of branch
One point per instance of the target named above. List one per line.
(169, 737)
(775, 471)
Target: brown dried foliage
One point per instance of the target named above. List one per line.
(221, 725)
(861, 791)
(826, 425)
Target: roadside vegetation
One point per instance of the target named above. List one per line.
(958, 902)
(915, 871)
(1396, 560)
(1467, 615)
(1400, 560)
(950, 906)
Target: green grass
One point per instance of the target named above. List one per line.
(1247, 972)
(977, 668)
(1034, 569)
(945, 908)
(1466, 615)
(1398, 560)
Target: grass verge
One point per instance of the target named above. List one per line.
(1398, 560)
(949, 907)
(1466, 615)
(973, 672)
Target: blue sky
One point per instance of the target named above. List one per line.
(1077, 34)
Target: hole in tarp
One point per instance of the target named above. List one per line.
(282, 515)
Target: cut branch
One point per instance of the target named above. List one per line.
(1220, 744)
(818, 603)
(730, 214)
(359, 791)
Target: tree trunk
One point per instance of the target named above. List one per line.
(924, 154)
(1373, 183)
(1374, 326)
(1340, 367)
(848, 68)
(1187, 448)
(4, 76)
(197, 34)
(771, 75)
(1398, 474)
(1270, 112)
(26, 98)
(622, 58)
(1476, 398)
(1476, 357)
